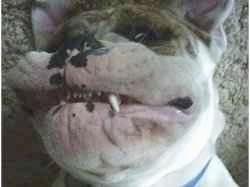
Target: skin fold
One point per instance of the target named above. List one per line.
(161, 70)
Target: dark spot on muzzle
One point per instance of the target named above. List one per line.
(56, 79)
(181, 103)
(79, 60)
(57, 60)
(85, 43)
(90, 106)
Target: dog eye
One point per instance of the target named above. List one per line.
(143, 26)
(144, 33)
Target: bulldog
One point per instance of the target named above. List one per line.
(122, 93)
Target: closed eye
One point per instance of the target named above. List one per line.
(151, 28)
(143, 32)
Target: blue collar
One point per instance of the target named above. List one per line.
(196, 179)
(70, 181)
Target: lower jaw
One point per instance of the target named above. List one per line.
(162, 115)
(99, 129)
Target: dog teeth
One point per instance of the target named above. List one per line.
(68, 96)
(75, 95)
(99, 94)
(114, 103)
(94, 96)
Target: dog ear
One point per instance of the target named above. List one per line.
(47, 16)
(208, 15)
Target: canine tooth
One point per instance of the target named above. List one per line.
(114, 103)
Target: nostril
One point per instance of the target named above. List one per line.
(181, 103)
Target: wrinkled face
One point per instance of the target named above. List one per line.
(121, 86)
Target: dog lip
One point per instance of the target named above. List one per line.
(180, 104)
(162, 113)
(163, 116)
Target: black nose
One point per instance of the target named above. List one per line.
(181, 103)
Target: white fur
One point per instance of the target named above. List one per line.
(183, 161)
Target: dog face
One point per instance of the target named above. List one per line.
(121, 89)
